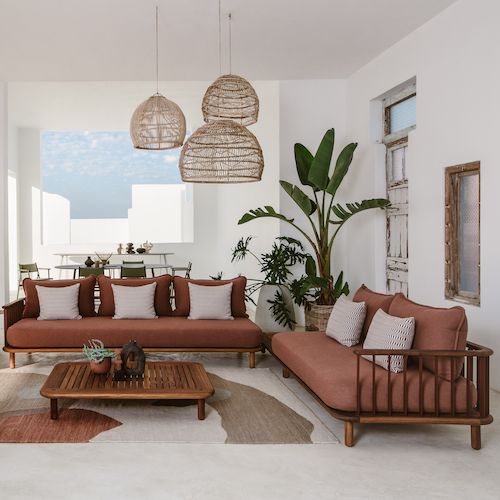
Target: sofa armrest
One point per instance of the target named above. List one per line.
(476, 369)
(12, 313)
(472, 350)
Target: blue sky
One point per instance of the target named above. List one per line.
(95, 171)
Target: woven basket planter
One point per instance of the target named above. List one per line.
(231, 97)
(316, 317)
(221, 152)
(158, 123)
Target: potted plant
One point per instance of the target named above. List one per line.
(274, 306)
(99, 357)
(318, 289)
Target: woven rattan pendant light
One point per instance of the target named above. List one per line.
(230, 96)
(157, 123)
(222, 151)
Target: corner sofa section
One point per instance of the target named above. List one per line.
(445, 379)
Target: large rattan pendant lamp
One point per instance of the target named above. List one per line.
(157, 123)
(230, 96)
(222, 151)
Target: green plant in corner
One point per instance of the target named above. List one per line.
(324, 216)
(276, 267)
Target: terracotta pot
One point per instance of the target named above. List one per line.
(316, 317)
(102, 367)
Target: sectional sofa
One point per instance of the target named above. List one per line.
(171, 332)
(445, 378)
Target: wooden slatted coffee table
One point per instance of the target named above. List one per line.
(162, 380)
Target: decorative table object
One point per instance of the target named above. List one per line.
(99, 356)
(162, 380)
(130, 248)
(119, 250)
(147, 246)
(89, 262)
(103, 258)
(133, 362)
(141, 250)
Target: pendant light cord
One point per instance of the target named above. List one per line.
(157, 51)
(220, 42)
(230, 43)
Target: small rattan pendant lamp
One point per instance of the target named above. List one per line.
(230, 96)
(157, 123)
(222, 151)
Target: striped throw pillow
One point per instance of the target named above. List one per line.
(389, 332)
(346, 321)
(58, 302)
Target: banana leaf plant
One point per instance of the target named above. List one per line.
(325, 217)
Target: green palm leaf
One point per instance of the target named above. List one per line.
(320, 166)
(350, 209)
(307, 205)
(258, 213)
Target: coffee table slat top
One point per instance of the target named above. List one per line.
(162, 380)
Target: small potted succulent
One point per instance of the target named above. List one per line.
(99, 357)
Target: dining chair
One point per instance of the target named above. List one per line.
(27, 270)
(185, 269)
(133, 272)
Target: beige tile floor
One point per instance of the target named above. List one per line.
(387, 462)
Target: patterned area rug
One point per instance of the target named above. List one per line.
(248, 407)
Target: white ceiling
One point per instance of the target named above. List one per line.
(272, 39)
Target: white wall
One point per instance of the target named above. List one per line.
(455, 60)
(101, 106)
(4, 180)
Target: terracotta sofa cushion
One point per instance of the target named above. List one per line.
(374, 302)
(85, 297)
(435, 328)
(329, 370)
(181, 290)
(162, 293)
(240, 333)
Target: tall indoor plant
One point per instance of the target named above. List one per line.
(325, 217)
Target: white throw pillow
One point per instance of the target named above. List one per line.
(346, 321)
(389, 332)
(210, 302)
(134, 302)
(58, 302)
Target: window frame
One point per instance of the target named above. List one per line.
(407, 93)
(453, 175)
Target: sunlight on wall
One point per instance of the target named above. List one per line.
(12, 228)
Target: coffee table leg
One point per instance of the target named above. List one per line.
(201, 409)
(54, 414)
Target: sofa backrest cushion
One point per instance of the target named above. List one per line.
(162, 293)
(181, 290)
(374, 301)
(85, 295)
(435, 328)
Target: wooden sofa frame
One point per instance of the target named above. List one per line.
(13, 312)
(475, 368)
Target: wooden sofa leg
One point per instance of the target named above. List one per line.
(251, 360)
(348, 433)
(263, 349)
(286, 372)
(12, 359)
(475, 436)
